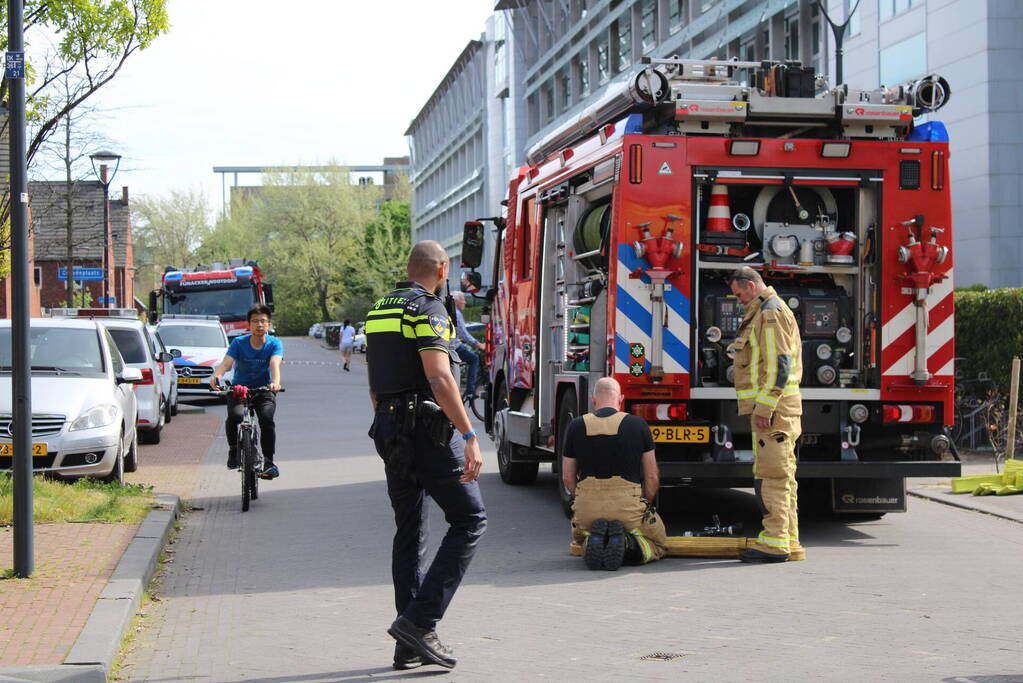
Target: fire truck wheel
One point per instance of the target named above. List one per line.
(567, 410)
(514, 473)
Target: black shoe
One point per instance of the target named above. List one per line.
(406, 658)
(424, 641)
(755, 556)
(593, 553)
(270, 472)
(232, 458)
(346, 368)
(614, 551)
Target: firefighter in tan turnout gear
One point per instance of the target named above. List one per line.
(768, 366)
(610, 469)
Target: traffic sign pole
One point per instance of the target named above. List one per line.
(21, 424)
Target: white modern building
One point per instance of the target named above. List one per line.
(538, 63)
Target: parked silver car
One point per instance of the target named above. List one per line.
(84, 407)
(198, 345)
(168, 375)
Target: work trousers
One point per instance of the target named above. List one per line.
(471, 359)
(774, 471)
(435, 471)
(617, 499)
(266, 406)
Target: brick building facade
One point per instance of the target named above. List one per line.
(50, 209)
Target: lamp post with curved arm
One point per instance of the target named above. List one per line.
(104, 157)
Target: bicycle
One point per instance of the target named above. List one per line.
(250, 457)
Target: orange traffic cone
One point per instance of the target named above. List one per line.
(719, 215)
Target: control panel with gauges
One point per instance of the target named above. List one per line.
(822, 311)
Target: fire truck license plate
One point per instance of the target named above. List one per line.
(38, 449)
(680, 434)
(189, 380)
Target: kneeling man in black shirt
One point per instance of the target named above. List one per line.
(610, 468)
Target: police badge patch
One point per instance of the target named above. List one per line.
(440, 325)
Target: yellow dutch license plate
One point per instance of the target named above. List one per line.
(680, 434)
(189, 380)
(38, 449)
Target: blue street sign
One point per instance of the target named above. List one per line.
(108, 301)
(14, 65)
(81, 274)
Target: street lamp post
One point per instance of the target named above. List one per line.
(104, 157)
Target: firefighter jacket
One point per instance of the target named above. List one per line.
(767, 358)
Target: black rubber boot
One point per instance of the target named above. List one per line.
(593, 551)
(614, 551)
(755, 556)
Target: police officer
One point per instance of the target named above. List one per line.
(768, 366)
(429, 448)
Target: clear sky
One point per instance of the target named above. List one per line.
(254, 82)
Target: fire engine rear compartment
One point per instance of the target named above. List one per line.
(835, 301)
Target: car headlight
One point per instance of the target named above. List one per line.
(99, 416)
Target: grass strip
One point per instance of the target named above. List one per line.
(85, 500)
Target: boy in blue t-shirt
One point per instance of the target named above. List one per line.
(256, 359)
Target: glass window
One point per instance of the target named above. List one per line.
(75, 349)
(565, 80)
(129, 343)
(649, 25)
(116, 361)
(176, 335)
(748, 51)
(854, 21)
(624, 43)
(677, 14)
(548, 101)
(889, 8)
(584, 74)
(904, 60)
(229, 304)
(603, 61)
(526, 255)
(792, 37)
(707, 4)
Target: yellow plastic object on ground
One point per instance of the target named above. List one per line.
(706, 546)
(1008, 482)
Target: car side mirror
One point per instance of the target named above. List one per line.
(129, 376)
(175, 353)
(165, 357)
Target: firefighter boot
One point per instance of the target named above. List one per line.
(774, 465)
(593, 547)
(614, 551)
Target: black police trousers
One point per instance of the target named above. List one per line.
(435, 471)
(266, 406)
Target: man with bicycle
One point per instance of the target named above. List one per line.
(429, 448)
(256, 359)
(467, 348)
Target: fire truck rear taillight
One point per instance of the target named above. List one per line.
(744, 148)
(907, 413)
(147, 376)
(660, 412)
(937, 170)
(635, 164)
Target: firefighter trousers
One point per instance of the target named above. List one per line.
(774, 472)
(618, 499)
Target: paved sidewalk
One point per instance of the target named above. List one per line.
(976, 462)
(42, 616)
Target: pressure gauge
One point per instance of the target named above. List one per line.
(824, 351)
(793, 302)
(844, 335)
(826, 374)
(713, 334)
(730, 374)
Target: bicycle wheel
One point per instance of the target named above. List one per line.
(245, 447)
(475, 403)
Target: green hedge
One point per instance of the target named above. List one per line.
(989, 331)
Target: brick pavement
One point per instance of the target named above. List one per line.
(41, 617)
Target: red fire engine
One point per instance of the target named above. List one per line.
(227, 291)
(618, 237)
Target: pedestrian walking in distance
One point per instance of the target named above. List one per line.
(347, 343)
(768, 365)
(429, 448)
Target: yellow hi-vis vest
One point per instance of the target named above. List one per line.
(768, 360)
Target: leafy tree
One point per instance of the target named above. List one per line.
(75, 47)
(329, 246)
(168, 231)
